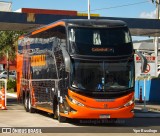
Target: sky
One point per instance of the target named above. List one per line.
(107, 8)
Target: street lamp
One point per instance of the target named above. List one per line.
(88, 9)
(156, 42)
(156, 38)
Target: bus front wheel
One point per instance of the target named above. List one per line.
(57, 115)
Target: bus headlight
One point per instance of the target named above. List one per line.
(129, 103)
(75, 102)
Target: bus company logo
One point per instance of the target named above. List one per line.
(6, 130)
(105, 106)
(102, 50)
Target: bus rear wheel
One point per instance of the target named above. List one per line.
(30, 109)
(27, 103)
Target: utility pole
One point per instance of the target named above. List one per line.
(88, 9)
(7, 65)
(156, 38)
(156, 42)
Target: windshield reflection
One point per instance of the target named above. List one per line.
(100, 41)
(97, 76)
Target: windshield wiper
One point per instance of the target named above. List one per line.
(110, 89)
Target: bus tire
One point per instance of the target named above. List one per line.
(57, 115)
(30, 108)
(55, 103)
(26, 102)
(61, 119)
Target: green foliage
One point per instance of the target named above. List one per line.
(11, 84)
(8, 45)
(8, 42)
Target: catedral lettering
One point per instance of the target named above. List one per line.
(80, 69)
(102, 49)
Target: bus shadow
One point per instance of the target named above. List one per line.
(133, 122)
(97, 122)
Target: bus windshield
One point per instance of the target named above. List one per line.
(100, 41)
(95, 76)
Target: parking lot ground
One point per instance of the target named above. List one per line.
(16, 116)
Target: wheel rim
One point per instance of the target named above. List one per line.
(29, 103)
(58, 110)
(26, 101)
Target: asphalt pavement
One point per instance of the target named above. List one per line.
(145, 119)
(142, 109)
(147, 109)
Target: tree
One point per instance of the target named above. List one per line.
(155, 1)
(8, 45)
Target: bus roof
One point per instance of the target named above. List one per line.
(95, 22)
(80, 23)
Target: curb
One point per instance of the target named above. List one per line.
(150, 108)
(147, 115)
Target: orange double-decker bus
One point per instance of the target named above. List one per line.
(77, 68)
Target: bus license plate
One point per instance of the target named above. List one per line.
(104, 116)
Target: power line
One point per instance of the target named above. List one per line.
(119, 6)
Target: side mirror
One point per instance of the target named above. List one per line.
(67, 60)
(143, 61)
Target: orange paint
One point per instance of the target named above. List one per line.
(19, 74)
(43, 109)
(48, 27)
(93, 108)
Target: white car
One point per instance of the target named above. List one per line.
(3, 75)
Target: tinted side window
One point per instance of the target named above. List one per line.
(47, 46)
